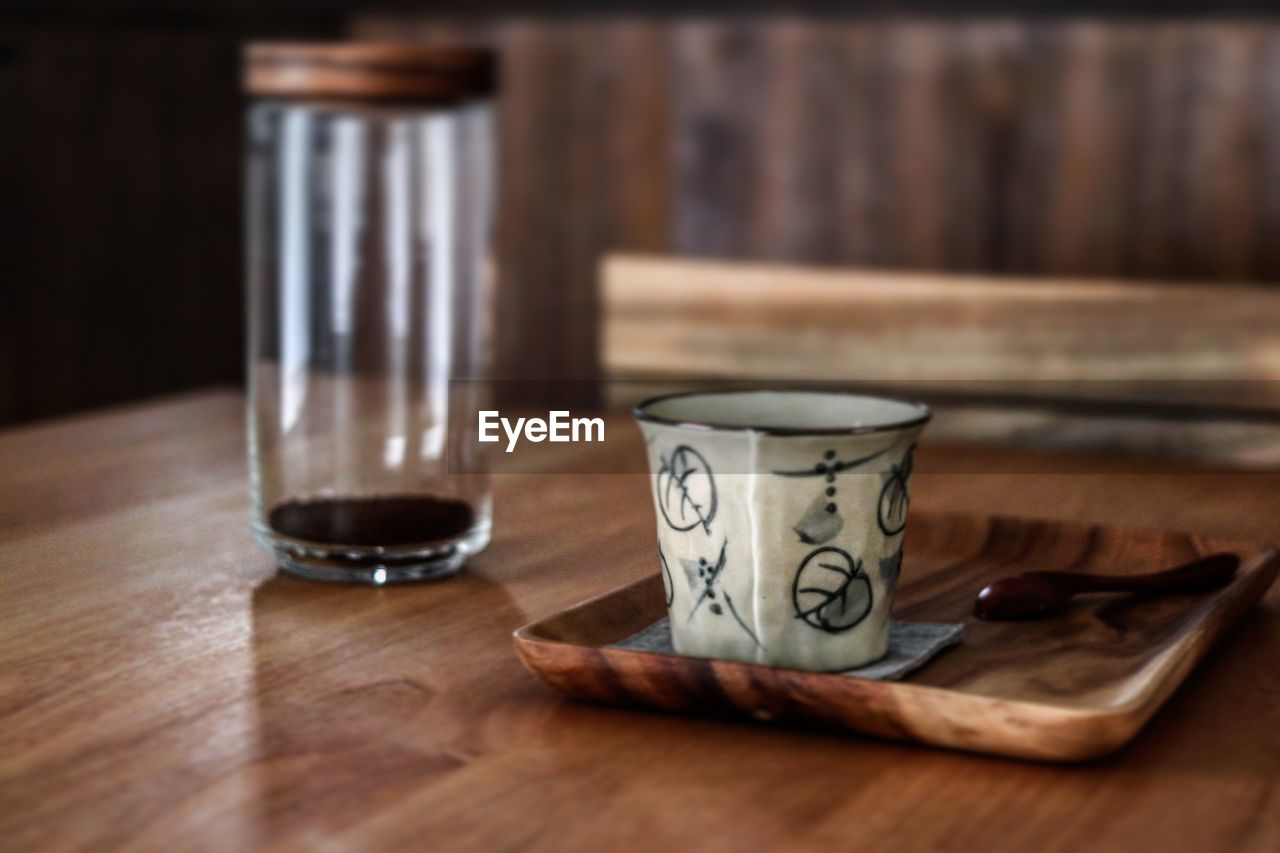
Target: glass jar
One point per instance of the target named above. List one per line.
(370, 184)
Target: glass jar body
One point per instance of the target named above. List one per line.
(369, 316)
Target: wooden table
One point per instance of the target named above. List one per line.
(162, 688)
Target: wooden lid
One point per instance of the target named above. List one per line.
(382, 72)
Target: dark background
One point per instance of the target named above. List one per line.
(1128, 140)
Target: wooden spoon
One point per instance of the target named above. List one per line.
(1035, 594)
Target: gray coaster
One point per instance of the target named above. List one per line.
(911, 646)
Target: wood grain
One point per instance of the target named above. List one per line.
(1179, 369)
(399, 73)
(1068, 147)
(1040, 147)
(1058, 147)
(160, 687)
(122, 260)
(669, 317)
(1064, 689)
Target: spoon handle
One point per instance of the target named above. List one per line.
(1202, 574)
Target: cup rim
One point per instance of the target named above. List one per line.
(640, 413)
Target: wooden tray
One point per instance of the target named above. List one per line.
(1065, 689)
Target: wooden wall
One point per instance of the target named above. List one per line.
(121, 274)
(1037, 146)
(1030, 147)
(1081, 149)
(120, 211)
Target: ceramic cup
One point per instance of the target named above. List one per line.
(781, 520)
